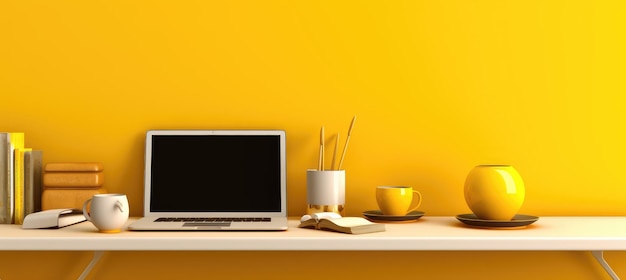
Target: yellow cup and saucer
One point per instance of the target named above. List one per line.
(397, 204)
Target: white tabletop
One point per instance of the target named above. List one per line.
(428, 233)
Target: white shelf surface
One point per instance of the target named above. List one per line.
(430, 233)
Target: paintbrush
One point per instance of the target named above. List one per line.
(332, 165)
(345, 148)
(320, 164)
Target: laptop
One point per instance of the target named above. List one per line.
(214, 180)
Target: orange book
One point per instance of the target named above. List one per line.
(73, 179)
(74, 167)
(67, 198)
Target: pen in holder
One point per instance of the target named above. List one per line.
(325, 191)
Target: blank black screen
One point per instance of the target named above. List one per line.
(215, 173)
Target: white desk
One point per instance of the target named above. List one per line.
(596, 234)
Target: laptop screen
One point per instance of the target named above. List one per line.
(215, 173)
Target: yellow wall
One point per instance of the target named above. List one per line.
(438, 87)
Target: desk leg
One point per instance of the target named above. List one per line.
(96, 258)
(599, 255)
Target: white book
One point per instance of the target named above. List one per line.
(54, 218)
(335, 222)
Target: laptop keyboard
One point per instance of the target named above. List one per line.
(214, 220)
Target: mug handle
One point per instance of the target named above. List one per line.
(119, 206)
(419, 201)
(85, 210)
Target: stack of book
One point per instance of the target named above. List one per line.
(70, 184)
(20, 178)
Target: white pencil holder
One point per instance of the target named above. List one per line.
(325, 191)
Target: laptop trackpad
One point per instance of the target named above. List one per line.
(206, 224)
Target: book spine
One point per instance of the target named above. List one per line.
(5, 179)
(37, 159)
(19, 185)
(32, 185)
(28, 182)
(16, 141)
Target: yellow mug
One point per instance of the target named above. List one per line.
(397, 200)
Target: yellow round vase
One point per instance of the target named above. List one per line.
(494, 192)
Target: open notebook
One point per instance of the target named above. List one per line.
(214, 180)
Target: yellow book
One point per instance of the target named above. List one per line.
(19, 184)
(16, 140)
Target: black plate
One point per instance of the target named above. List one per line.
(518, 221)
(377, 216)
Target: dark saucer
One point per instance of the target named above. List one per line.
(378, 216)
(518, 221)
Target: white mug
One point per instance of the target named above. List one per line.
(108, 212)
